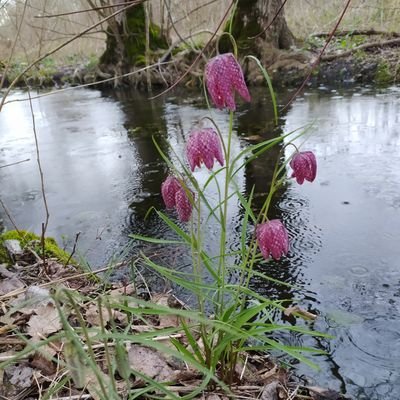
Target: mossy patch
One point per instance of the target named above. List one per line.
(133, 35)
(245, 25)
(28, 238)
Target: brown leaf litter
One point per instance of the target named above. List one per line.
(30, 315)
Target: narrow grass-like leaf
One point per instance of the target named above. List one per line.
(269, 83)
(154, 240)
(192, 342)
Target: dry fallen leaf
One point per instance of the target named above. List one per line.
(150, 362)
(213, 397)
(45, 322)
(43, 364)
(270, 391)
(20, 376)
(8, 285)
(318, 393)
(93, 315)
(297, 311)
(34, 298)
(92, 384)
(5, 272)
(169, 320)
(119, 290)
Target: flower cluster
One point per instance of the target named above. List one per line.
(175, 195)
(224, 77)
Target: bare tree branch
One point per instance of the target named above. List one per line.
(33, 63)
(14, 163)
(13, 48)
(44, 226)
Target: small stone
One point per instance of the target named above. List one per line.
(14, 249)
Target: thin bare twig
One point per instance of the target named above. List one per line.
(33, 63)
(73, 248)
(87, 10)
(14, 163)
(193, 10)
(9, 216)
(147, 45)
(44, 226)
(13, 47)
(318, 60)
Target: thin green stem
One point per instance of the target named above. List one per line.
(222, 266)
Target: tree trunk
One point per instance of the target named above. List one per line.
(251, 20)
(249, 28)
(126, 40)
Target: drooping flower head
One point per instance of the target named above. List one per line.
(168, 191)
(203, 146)
(272, 238)
(175, 195)
(184, 205)
(223, 77)
(304, 165)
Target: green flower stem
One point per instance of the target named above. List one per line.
(222, 266)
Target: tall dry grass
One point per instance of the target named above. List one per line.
(311, 16)
(38, 35)
(180, 19)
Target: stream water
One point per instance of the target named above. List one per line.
(102, 173)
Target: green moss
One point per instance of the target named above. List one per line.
(26, 238)
(383, 74)
(134, 39)
(245, 25)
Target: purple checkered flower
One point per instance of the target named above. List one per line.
(168, 191)
(184, 204)
(203, 146)
(174, 195)
(224, 77)
(304, 165)
(272, 238)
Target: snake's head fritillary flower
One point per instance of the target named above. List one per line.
(272, 238)
(223, 77)
(184, 204)
(175, 195)
(304, 165)
(204, 146)
(168, 191)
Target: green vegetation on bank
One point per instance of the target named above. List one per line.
(34, 241)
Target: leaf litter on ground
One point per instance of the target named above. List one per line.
(67, 335)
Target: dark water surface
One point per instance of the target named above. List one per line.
(102, 173)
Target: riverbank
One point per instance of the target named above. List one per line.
(69, 334)
(357, 59)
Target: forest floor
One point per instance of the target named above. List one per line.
(53, 341)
